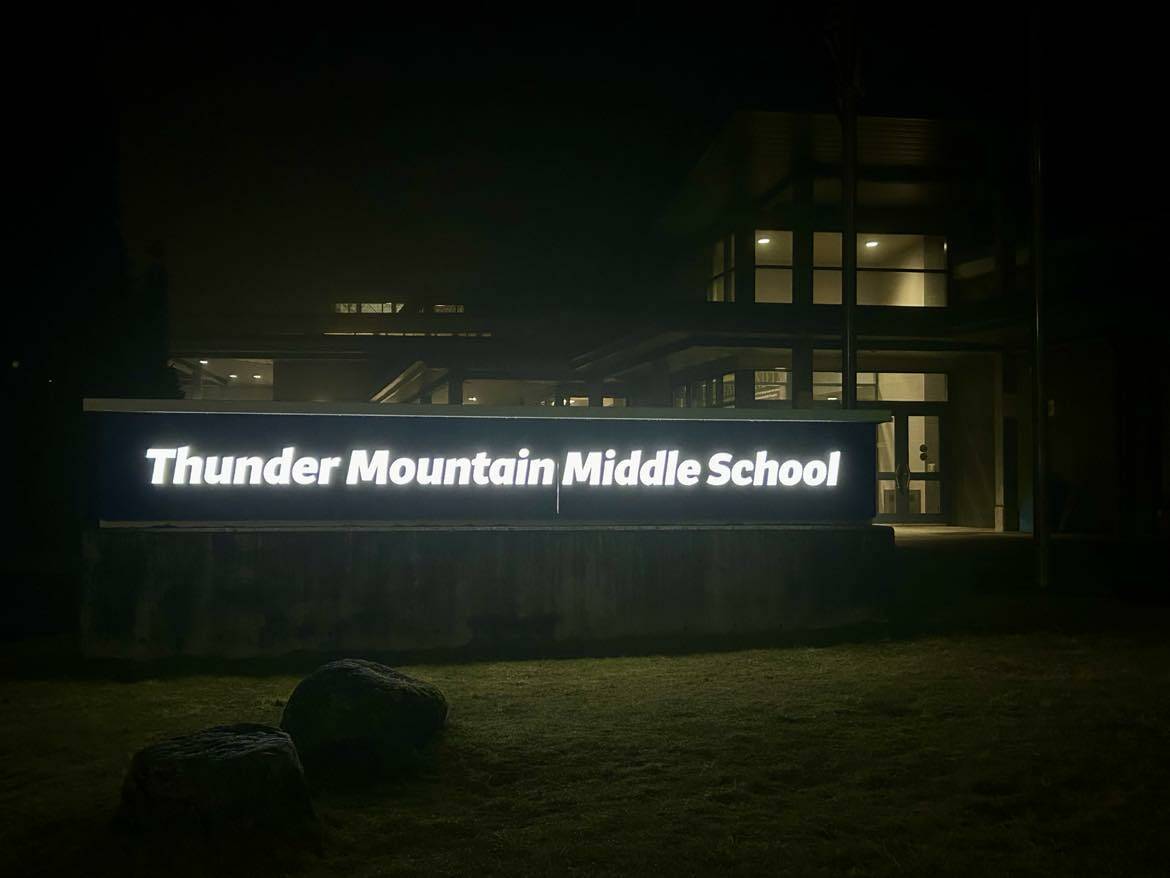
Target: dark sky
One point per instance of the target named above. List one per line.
(361, 161)
(524, 153)
(524, 162)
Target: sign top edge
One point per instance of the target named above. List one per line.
(250, 407)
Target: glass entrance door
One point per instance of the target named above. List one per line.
(910, 486)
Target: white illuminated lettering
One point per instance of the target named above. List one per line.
(688, 472)
(766, 471)
(653, 471)
(607, 470)
(402, 471)
(248, 471)
(458, 469)
(479, 465)
(665, 467)
(720, 471)
(363, 468)
(626, 472)
(304, 471)
(160, 456)
(215, 473)
(188, 468)
(582, 468)
(430, 472)
(541, 471)
(503, 471)
(328, 465)
(739, 473)
(790, 472)
(278, 470)
(815, 473)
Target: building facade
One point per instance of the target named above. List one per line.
(739, 304)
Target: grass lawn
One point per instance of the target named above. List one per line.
(1040, 754)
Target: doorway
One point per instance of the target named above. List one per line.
(911, 484)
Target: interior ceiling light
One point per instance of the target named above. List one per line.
(764, 241)
(871, 244)
(257, 377)
(203, 362)
(233, 375)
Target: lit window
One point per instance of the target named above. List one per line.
(892, 270)
(827, 268)
(773, 265)
(448, 309)
(909, 387)
(679, 396)
(883, 387)
(771, 385)
(368, 307)
(578, 401)
(826, 387)
(705, 393)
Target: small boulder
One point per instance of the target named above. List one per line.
(354, 718)
(223, 781)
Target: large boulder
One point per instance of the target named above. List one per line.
(354, 717)
(223, 781)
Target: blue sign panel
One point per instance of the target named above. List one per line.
(190, 462)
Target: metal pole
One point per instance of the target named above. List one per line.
(1040, 526)
(849, 244)
(842, 38)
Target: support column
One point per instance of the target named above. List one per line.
(745, 265)
(802, 373)
(998, 415)
(1039, 379)
(455, 388)
(745, 388)
(849, 248)
(197, 381)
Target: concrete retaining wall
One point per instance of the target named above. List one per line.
(151, 593)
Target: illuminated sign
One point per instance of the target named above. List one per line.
(269, 462)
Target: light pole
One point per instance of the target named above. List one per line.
(1040, 535)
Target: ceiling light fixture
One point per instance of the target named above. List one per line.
(203, 362)
(871, 244)
(257, 377)
(233, 376)
(764, 241)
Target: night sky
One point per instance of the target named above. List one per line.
(523, 155)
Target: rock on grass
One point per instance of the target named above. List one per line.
(225, 782)
(357, 717)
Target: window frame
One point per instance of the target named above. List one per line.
(838, 269)
(790, 267)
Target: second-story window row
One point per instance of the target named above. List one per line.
(893, 270)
